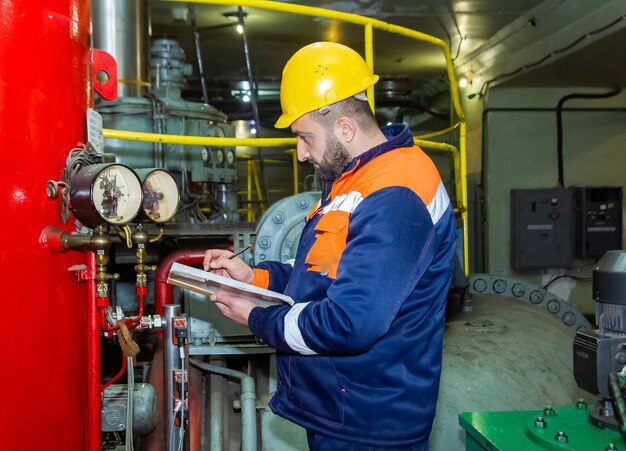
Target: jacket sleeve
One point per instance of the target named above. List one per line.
(272, 275)
(391, 242)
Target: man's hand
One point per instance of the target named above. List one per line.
(235, 308)
(218, 261)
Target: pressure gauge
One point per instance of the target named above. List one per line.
(105, 193)
(220, 156)
(160, 194)
(230, 157)
(206, 155)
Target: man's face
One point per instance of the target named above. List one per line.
(322, 149)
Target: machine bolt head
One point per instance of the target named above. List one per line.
(121, 426)
(581, 404)
(278, 218)
(540, 423)
(549, 411)
(561, 437)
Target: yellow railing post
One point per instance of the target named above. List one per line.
(259, 193)
(369, 59)
(294, 166)
(249, 186)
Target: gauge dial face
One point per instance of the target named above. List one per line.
(160, 196)
(230, 157)
(220, 156)
(116, 194)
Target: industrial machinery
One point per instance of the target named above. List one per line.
(600, 355)
(599, 363)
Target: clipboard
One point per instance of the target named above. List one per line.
(207, 283)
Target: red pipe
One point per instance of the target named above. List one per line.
(162, 290)
(141, 294)
(117, 376)
(93, 358)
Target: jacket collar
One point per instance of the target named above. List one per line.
(398, 135)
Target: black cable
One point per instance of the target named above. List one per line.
(196, 42)
(566, 276)
(254, 102)
(486, 84)
(559, 123)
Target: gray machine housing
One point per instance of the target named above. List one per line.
(113, 414)
(598, 353)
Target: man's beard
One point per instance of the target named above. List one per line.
(335, 159)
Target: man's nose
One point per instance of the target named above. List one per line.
(303, 155)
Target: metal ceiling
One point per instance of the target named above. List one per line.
(473, 28)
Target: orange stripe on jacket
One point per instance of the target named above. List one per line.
(408, 166)
(331, 232)
(261, 278)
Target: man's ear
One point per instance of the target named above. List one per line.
(345, 128)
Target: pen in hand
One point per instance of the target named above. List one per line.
(230, 257)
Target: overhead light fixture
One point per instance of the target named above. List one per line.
(463, 82)
(253, 131)
(246, 98)
(239, 28)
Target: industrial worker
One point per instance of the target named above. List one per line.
(359, 353)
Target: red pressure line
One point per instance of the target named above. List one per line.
(131, 323)
(117, 376)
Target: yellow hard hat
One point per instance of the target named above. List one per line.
(319, 75)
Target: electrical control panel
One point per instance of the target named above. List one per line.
(542, 228)
(598, 212)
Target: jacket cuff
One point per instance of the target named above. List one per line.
(261, 278)
(253, 321)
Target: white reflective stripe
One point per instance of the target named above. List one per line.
(345, 202)
(439, 203)
(290, 262)
(293, 336)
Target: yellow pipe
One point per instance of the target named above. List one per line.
(439, 133)
(369, 59)
(463, 176)
(259, 193)
(443, 147)
(128, 81)
(232, 142)
(250, 212)
(196, 140)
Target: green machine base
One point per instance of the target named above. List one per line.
(563, 428)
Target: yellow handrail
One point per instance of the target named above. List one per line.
(460, 157)
(445, 131)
